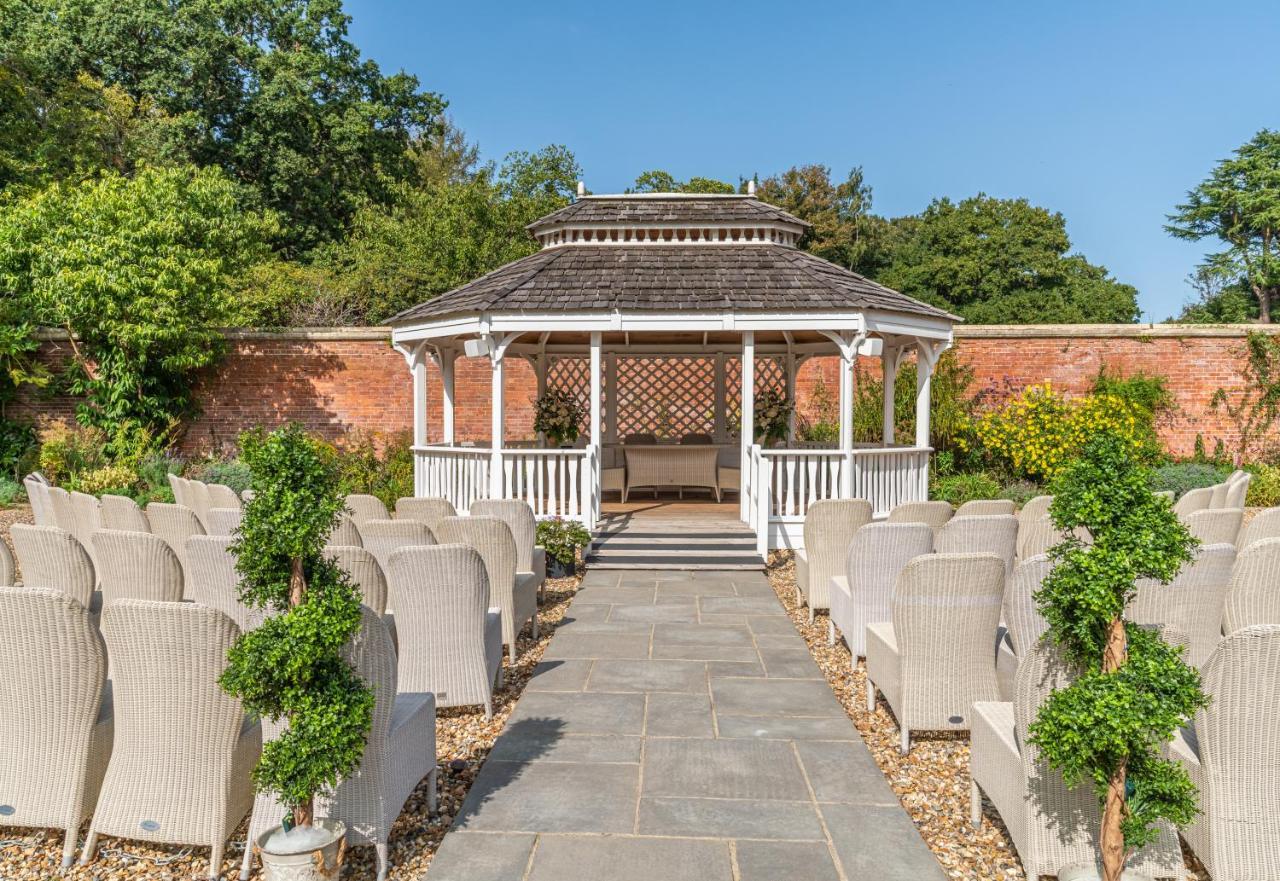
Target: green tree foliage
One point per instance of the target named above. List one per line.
(950, 402)
(665, 182)
(1002, 261)
(272, 93)
(1218, 300)
(1132, 689)
(136, 270)
(291, 667)
(1239, 205)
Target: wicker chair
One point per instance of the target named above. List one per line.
(829, 527)
(1194, 500)
(38, 495)
(8, 569)
(980, 534)
(382, 537)
(1254, 596)
(1023, 623)
(516, 596)
(137, 566)
(61, 509)
(1265, 524)
(428, 510)
(1034, 509)
(399, 752)
(364, 507)
(175, 524)
(201, 500)
(345, 532)
(864, 594)
(1237, 490)
(697, 438)
(214, 581)
(1192, 602)
(936, 658)
(1052, 826)
(985, 508)
(87, 515)
(516, 513)
(122, 512)
(1233, 757)
(51, 557)
(1036, 537)
(224, 521)
(365, 572)
(640, 439)
(56, 730)
(933, 514)
(1215, 525)
(451, 642)
(181, 490)
(222, 496)
(179, 770)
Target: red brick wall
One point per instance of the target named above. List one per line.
(338, 381)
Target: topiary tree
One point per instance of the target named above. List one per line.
(291, 667)
(1133, 688)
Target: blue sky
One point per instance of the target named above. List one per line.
(1107, 112)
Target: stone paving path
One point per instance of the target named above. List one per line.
(679, 730)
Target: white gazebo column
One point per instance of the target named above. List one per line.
(747, 432)
(791, 365)
(496, 423)
(889, 366)
(848, 357)
(418, 367)
(927, 354)
(447, 357)
(540, 376)
(590, 491)
(611, 412)
(718, 432)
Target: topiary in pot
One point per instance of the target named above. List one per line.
(561, 538)
(1133, 689)
(291, 668)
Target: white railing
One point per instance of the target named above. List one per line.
(459, 474)
(889, 477)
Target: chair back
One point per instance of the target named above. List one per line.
(181, 490)
(829, 528)
(212, 579)
(934, 514)
(122, 512)
(55, 668)
(1218, 498)
(38, 496)
(1036, 537)
(381, 537)
(1193, 500)
(137, 566)
(985, 507)
(365, 572)
(1265, 524)
(201, 501)
(345, 532)
(86, 512)
(441, 596)
(696, 438)
(877, 555)
(640, 439)
(51, 557)
(1237, 490)
(519, 518)
(372, 653)
(980, 534)
(225, 521)
(174, 524)
(61, 509)
(429, 510)
(1034, 509)
(8, 568)
(491, 538)
(364, 507)
(1022, 617)
(222, 496)
(1192, 602)
(1254, 595)
(1216, 525)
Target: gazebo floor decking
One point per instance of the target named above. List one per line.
(668, 532)
(678, 729)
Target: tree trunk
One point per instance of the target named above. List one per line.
(1115, 810)
(1263, 295)
(303, 813)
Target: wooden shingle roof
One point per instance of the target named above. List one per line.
(667, 209)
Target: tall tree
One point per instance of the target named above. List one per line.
(659, 181)
(273, 93)
(1002, 261)
(1239, 205)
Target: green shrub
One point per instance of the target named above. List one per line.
(229, 472)
(17, 442)
(950, 404)
(10, 491)
(364, 468)
(1144, 390)
(960, 488)
(562, 538)
(117, 480)
(291, 667)
(153, 478)
(1183, 476)
(67, 450)
(1020, 492)
(1264, 488)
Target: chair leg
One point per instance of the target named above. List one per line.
(90, 848)
(511, 652)
(975, 804)
(432, 797)
(381, 849)
(831, 632)
(904, 739)
(69, 847)
(246, 863)
(533, 625)
(215, 859)
(501, 678)
(871, 696)
(810, 613)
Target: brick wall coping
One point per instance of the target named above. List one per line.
(962, 331)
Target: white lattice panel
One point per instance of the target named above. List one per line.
(573, 375)
(771, 375)
(668, 397)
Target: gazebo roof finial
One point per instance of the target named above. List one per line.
(751, 187)
(582, 189)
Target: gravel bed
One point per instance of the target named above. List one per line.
(933, 780)
(463, 741)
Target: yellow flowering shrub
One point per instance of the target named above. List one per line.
(1037, 433)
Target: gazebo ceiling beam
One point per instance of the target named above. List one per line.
(708, 350)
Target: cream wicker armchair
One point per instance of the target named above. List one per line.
(122, 512)
(224, 521)
(936, 658)
(934, 514)
(1034, 509)
(56, 729)
(1192, 500)
(1233, 756)
(51, 557)
(1264, 525)
(383, 537)
(222, 496)
(86, 513)
(364, 507)
(516, 513)
(986, 508)
(1237, 490)
(175, 524)
(365, 572)
(137, 565)
(345, 532)
(179, 770)
(451, 643)
(1036, 537)
(1023, 623)
(829, 527)
(400, 749)
(429, 510)
(980, 534)
(864, 593)
(1192, 602)
(38, 495)
(8, 568)
(1215, 525)
(61, 509)
(1254, 595)
(1052, 826)
(214, 581)
(514, 595)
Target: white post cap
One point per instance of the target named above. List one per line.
(582, 189)
(751, 187)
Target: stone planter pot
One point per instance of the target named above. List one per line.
(1091, 872)
(556, 569)
(323, 863)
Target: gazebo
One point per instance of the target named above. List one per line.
(670, 313)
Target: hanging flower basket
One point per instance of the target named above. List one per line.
(558, 414)
(772, 419)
